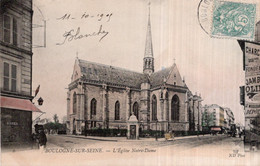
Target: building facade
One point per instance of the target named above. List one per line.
(214, 116)
(250, 91)
(16, 71)
(102, 96)
(228, 117)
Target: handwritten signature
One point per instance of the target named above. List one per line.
(73, 34)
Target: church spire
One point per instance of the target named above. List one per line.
(148, 66)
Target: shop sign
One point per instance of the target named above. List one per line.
(12, 123)
(252, 79)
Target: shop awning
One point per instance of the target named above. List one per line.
(215, 128)
(18, 104)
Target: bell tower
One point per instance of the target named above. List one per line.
(148, 61)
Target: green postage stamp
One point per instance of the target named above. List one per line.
(233, 20)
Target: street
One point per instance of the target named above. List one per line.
(192, 150)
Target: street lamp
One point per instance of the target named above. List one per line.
(40, 101)
(156, 137)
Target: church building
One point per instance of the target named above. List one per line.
(103, 96)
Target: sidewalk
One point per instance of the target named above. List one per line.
(124, 139)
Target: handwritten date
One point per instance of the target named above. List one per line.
(99, 17)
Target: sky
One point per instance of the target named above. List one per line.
(211, 67)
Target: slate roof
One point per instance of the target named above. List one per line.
(112, 75)
(157, 78)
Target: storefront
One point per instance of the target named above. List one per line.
(16, 121)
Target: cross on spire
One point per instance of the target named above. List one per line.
(174, 60)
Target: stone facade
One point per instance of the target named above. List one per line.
(148, 101)
(102, 96)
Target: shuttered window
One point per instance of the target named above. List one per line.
(7, 29)
(13, 78)
(10, 77)
(10, 30)
(15, 32)
(6, 76)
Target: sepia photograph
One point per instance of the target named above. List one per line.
(130, 82)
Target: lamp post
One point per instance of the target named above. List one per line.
(40, 102)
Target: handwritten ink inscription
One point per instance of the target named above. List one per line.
(99, 17)
(76, 34)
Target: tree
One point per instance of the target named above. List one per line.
(208, 119)
(56, 118)
(205, 120)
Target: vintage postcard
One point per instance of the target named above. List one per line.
(130, 82)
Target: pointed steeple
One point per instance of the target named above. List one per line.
(148, 66)
(148, 43)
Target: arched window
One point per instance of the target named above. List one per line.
(93, 107)
(175, 108)
(135, 110)
(74, 103)
(154, 108)
(117, 111)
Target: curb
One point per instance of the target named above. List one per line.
(97, 139)
(130, 140)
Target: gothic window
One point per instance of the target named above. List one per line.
(135, 109)
(74, 103)
(93, 107)
(154, 108)
(175, 108)
(117, 111)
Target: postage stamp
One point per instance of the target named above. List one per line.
(233, 20)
